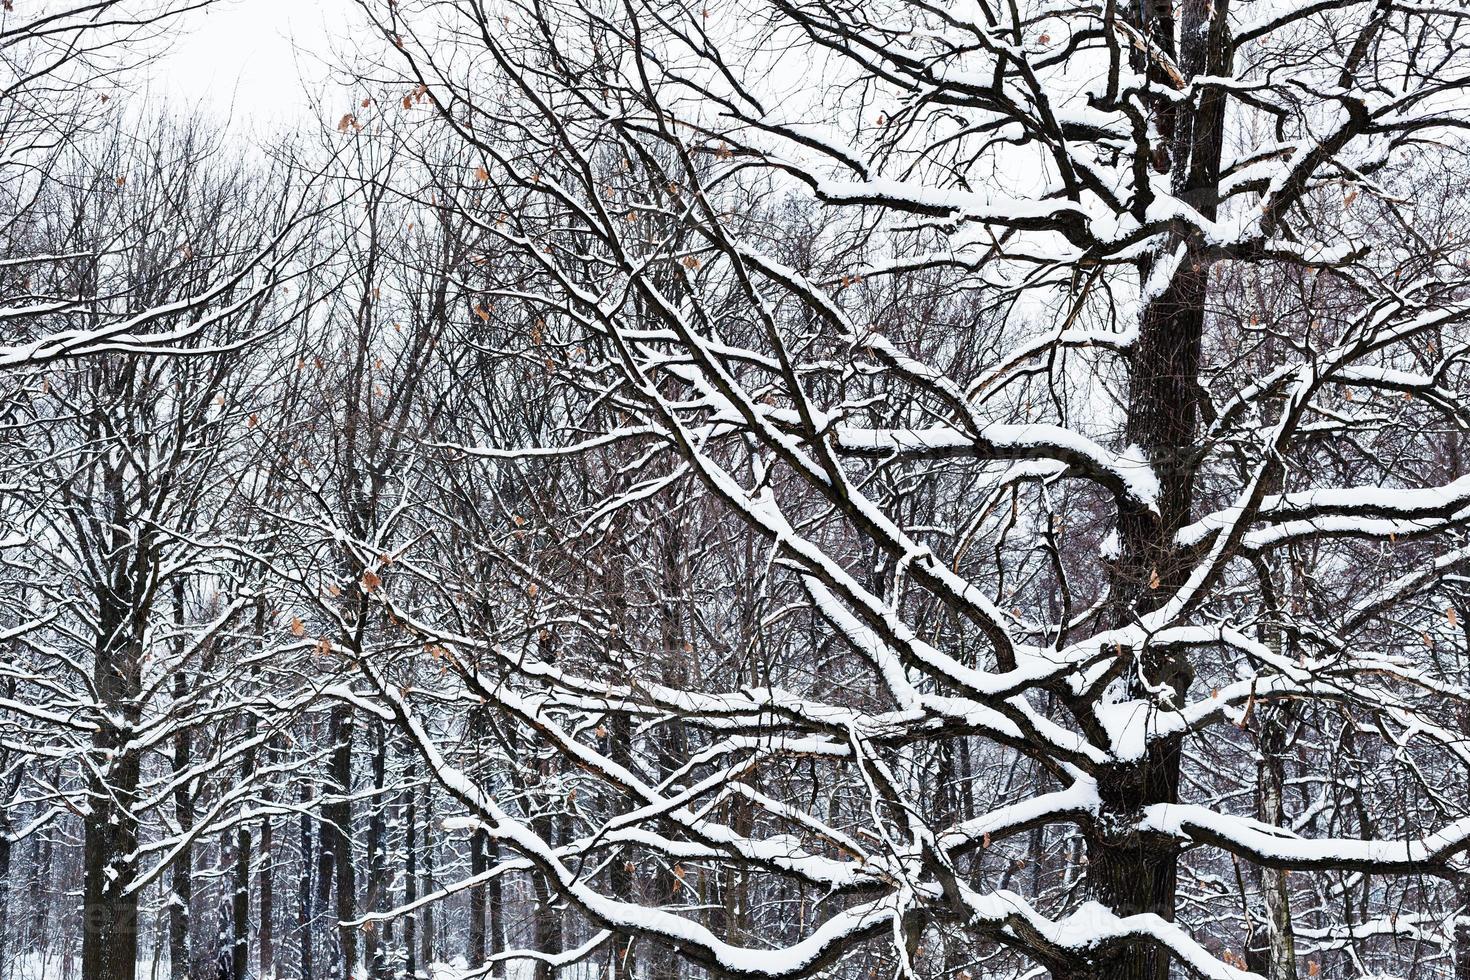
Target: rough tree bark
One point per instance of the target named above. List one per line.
(305, 906)
(110, 829)
(266, 938)
(494, 905)
(336, 843)
(410, 875)
(1128, 872)
(476, 952)
(379, 935)
(240, 903)
(426, 880)
(181, 876)
(1271, 778)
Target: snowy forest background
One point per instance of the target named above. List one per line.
(741, 488)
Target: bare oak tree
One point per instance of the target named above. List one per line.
(992, 430)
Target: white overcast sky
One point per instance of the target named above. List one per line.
(257, 61)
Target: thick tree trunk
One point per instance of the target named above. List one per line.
(677, 651)
(426, 882)
(110, 911)
(546, 919)
(1280, 947)
(494, 905)
(41, 872)
(476, 952)
(240, 900)
(224, 961)
(336, 841)
(240, 907)
(546, 916)
(378, 937)
(410, 882)
(7, 845)
(1128, 872)
(305, 907)
(110, 828)
(244, 846)
(266, 939)
(475, 935)
(617, 742)
(181, 875)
